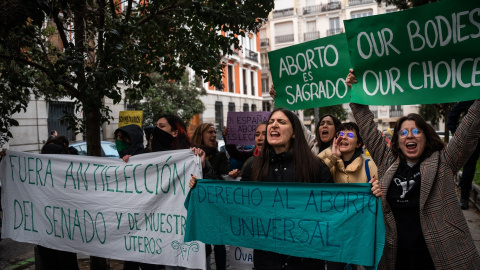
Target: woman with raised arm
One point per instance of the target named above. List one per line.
(425, 227)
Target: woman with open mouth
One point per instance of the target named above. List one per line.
(205, 138)
(425, 227)
(347, 165)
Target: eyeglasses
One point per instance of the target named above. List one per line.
(349, 134)
(404, 132)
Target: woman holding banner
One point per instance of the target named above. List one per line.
(285, 157)
(205, 138)
(425, 228)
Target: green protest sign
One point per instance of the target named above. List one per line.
(334, 222)
(311, 74)
(428, 54)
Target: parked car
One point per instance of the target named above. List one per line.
(109, 149)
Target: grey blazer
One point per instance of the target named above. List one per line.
(444, 227)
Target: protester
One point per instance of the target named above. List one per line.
(171, 134)
(246, 155)
(347, 165)
(47, 258)
(471, 164)
(345, 157)
(325, 130)
(425, 228)
(129, 141)
(284, 158)
(205, 138)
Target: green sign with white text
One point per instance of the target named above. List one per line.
(428, 54)
(311, 74)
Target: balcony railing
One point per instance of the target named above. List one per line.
(396, 113)
(311, 35)
(375, 114)
(282, 13)
(359, 2)
(334, 31)
(321, 8)
(251, 55)
(284, 38)
(264, 42)
(265, 67)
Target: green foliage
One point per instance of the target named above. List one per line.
(336, 110)
(435, 112)
(104, 45)
(171, 97)
(476, 178)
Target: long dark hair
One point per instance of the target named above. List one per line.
(433, 142)
(182, 141)
(306, 164)
(321, 145)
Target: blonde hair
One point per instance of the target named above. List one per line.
(198, 134)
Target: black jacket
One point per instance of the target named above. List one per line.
(282, 169)
(136, 136)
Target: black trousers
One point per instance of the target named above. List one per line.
(266, 260)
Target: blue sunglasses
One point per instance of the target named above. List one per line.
(349, 134)
(415, 132)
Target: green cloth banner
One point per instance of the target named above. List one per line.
(311, 74)
(335, 222)
(427, 54)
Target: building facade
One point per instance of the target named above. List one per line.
(242, 90)
(297, 21)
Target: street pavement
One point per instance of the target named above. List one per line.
(18, 256)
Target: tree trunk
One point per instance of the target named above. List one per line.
(92, 127)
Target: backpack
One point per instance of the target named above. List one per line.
(367, 170)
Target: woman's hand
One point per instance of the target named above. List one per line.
(193, 181)
(199, 152)
(336, 146)
(375, 187)
(234, 173)
(126, 157)
(351, 78)
(272, 92)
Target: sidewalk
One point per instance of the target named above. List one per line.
(472, 216)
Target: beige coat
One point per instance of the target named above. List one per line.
(355, 171)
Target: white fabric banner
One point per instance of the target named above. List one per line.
(241, 258)
(101, 206)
